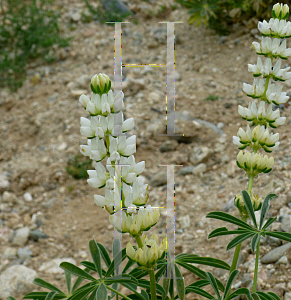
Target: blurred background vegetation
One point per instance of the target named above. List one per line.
(29, 29)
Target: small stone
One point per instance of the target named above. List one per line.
(199, 154)
(169, 145)
(27, 197)
(288, 198)
(37, 234)
(224, 158)
(10, 252)
(185, 221)
(83, 81)
(287, 296)
(154, 98)
(78, 93)
(275, 254)
(20, 236)
(246, 280)
(283, 260)
(220, 125)
(228, 205)
(272, 241)
(49, 203)
(24, 253)
(199, 169)
(286, 223)
(159, 179)
(75, 17)
(53, 266)
(186, 170)
(4, 183)
(9, 197)
(16, 281)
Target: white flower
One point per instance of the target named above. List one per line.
(86, 129)
(256, 90)
(97, 177)
(98, 149)
(274, 94)
(100, 83)
(127, 125)
(121, 146)
(118, 103)
(86, 149)
(84, 100)
(280, 74)
(281, 51)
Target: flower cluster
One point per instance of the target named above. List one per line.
(127, 202)
(239, 203)
(150, 252)
(264, 90)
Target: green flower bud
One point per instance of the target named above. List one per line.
(239, 203)
(100, 84)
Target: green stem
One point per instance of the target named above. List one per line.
(117, 293)
(250, 185)
(139, 242)
(153, 284)
(256, 266)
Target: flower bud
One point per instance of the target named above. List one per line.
(100, 84)
(239, 203)
(130, 252)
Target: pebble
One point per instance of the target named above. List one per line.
(169, 145)
(275, 254)
(9, 197)
(272, 241)
(4, 183)
(78, 93)
(228, 205)
(20, 236)
(9, 252)
(199, 154)
(159, 179)
(75, 17)
(186, 170)
(83, 81)
(199, 169)
(24, 253)
(49, 203)
(283, 260)
(53, 266)
(286, 223)
(288, 198)
(287, 296)
(246, 280)
(185, 221)
(27, 197)
(16, 281)
(37, 234)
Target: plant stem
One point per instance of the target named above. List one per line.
(117, 293)
(139, 242)
(236, 253)
(256, 266)
(250, 185)
(153, 284)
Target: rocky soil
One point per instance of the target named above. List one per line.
(48, 216)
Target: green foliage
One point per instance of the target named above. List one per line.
(28, 29)
(212, 98)
(103, 16)
(78, 166)
(221, 14)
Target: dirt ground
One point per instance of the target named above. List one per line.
(40, 133)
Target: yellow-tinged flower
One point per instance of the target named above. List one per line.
(239, 203)
(100, 84)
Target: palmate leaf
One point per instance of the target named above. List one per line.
(213, 283)
(249, 207)
(280, 235)
(208, 261)
(76, 271)
(48, 286)
(269, 222)
(224, 231)
(238, 240)
(241, 291)
(199, 291)
(229, 218)
(95, 254)
(254, 242)
(230, 280)
(265, 208)
(101, 293)
(180, 285)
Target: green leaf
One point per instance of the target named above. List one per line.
(265, 208)
(146, 284)
(207, 261)
(171, 288)
(47, 285)
(199, 283)
(68, 281)
(249, 207)
(238, 240)
(166, 286)
(101, 292)
(241, 291)
(160, 273)
(41, 296)
(50, 295)
(76, 271)
(264, 296)
(145, 295)
(213, 283)
(230, 280)
(89, 265)
(275, 296)
(93, 295)
(199, 292)
(192, 269)
(118, 259)
(180, 285)
(79, 280)
(280, 235)
(182, 255)
(81, 294)
(104, 254)
(120, 279)
(133, 287)
(254, 242)
(255, 296)
(269, 222)
(95, 253)
(11, 298)
(224, 231)
(128, 265)
(138, 273)
(229, 218)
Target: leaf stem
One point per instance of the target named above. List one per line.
(250, 184)
(256, 266)
(117, 293)
(153, 284)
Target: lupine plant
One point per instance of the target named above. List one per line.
(126, 196)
